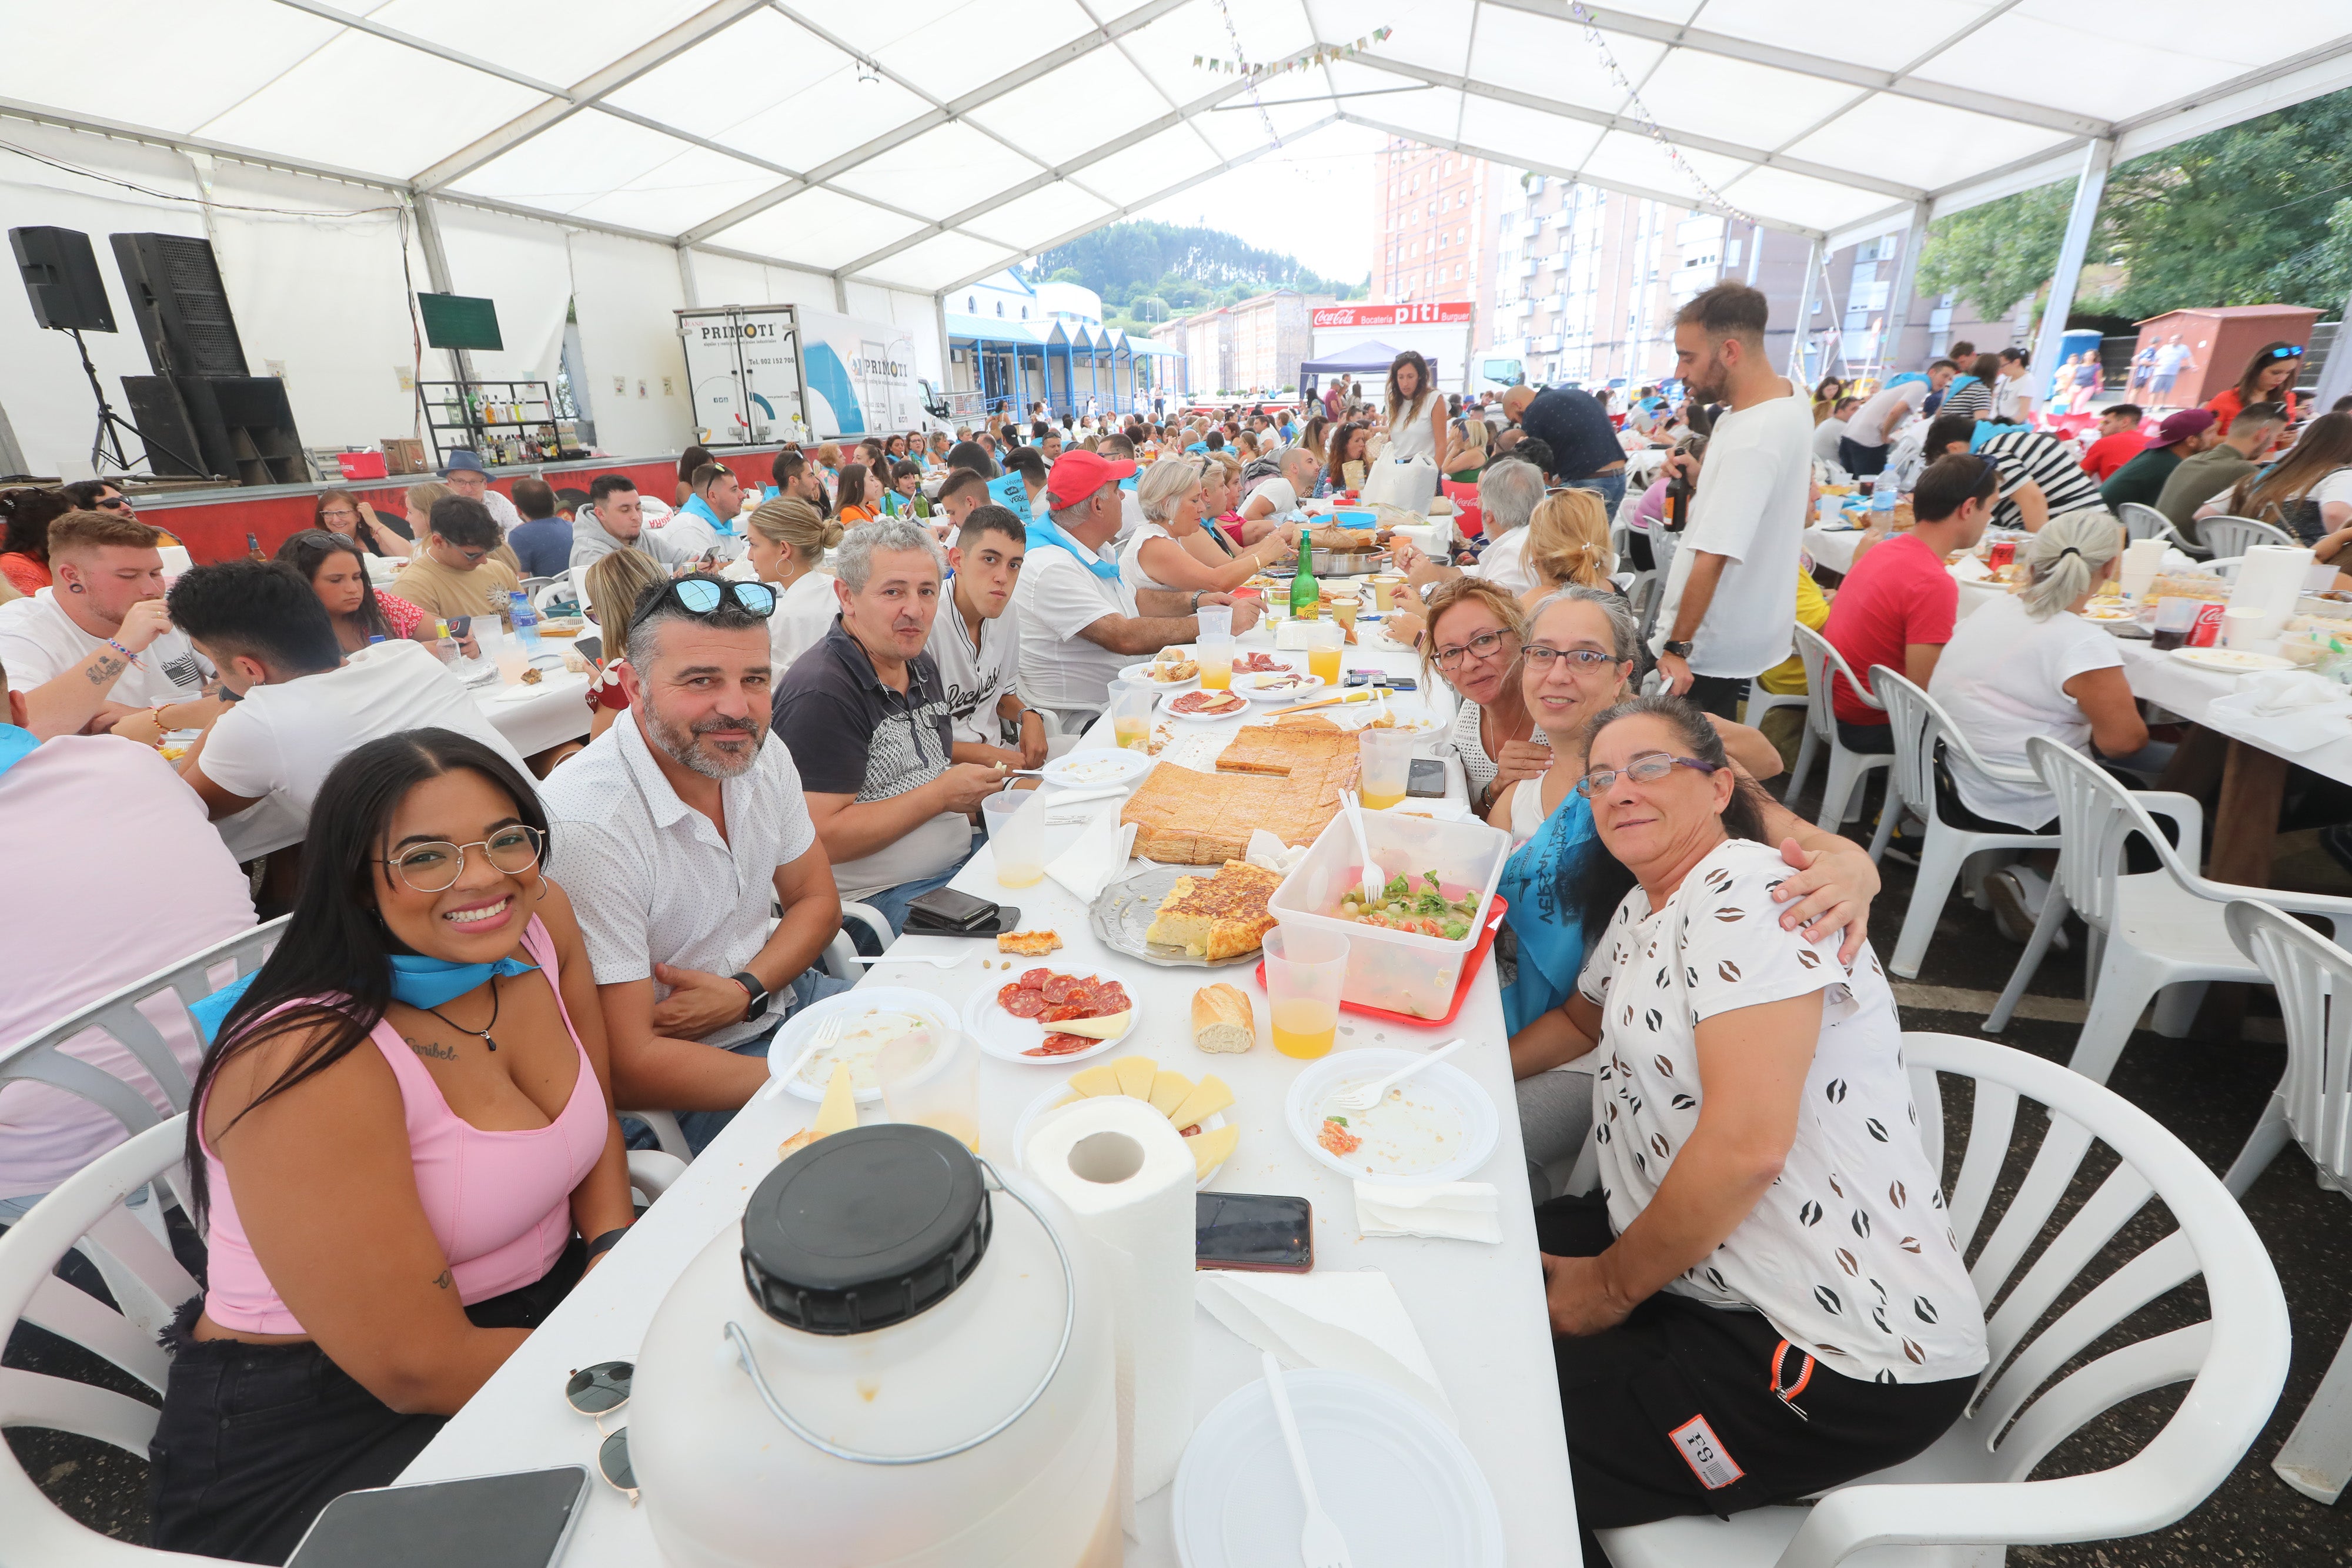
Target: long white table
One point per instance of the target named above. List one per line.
(1479, 1309)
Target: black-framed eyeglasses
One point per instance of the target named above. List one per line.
(1647, 769)
(1539, 658)
(2286, 351)
(1482, 647)
(704, 595)
(436, 865)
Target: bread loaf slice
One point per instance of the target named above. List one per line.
(1222, 1021)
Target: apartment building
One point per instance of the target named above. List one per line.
(1272, 338)
(1434, 236)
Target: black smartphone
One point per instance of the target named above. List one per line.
(1262, 1232)
(946, 906)
(520, 1520)
(1402, 683)
(1427, 779)
(460, 625)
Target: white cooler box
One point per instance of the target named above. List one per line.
(1400, 971)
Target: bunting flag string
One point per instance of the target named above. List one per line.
(1640, 113)
(1321, 55)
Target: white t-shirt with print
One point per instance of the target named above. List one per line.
(1849, 1253)
(1056, 598)
(975, 679)
(1751, 507)
(2002, 679)
(38, 642)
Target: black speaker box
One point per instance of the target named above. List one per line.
(61, 273)
(180, 304)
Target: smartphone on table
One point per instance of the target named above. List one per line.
(1271, 1233)
(1426, 781)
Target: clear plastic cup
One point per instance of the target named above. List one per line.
(1215, 656)
(1326, 640)
(1130, 712)
(1215, 619)
(1383, 767)
(931, 1078)
(1016, 838)
(1303, 971)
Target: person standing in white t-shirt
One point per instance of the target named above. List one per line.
(978, 646)
(1728, 614)
(97, 650)
(302, 706)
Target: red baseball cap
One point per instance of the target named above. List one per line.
(1077, 474)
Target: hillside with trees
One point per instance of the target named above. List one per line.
(2255, 213)
(1149, 272)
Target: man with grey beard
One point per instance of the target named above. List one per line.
(671, 830)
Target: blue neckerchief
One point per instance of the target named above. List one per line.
(15, 745)
(1986, 430)
(1539, 881)
(701, 508)
(419, 981)
(1956, 382)
(1906, 376)
(1042, 530)
(1197, 448)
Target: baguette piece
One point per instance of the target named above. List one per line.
(1222, 1021)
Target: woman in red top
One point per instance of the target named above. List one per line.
(25, 552)
(336, 570)
(2269, 378)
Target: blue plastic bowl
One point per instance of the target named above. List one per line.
(1353, 520)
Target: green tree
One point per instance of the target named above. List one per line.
(1996, 254)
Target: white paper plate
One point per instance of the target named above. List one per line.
(1046, 1102)
(1307, 687)
(1142, 672)
(1095, 767)
(786, 1045)
(1008, 1038)
(1443, 1086)
(2232, 661)
(1165, 707)
(1403, 1490)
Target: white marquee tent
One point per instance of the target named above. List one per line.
(627, 157)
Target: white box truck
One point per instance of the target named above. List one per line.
(765, 373)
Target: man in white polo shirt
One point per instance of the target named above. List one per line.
(671, 832)
(302, 706)
(97, 648)
(978, 646)
(1080, 626)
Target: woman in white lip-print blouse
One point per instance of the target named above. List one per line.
(1764, 1297)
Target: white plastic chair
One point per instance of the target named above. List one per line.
(1848, 770)
(1919, 723)
(2142, 521)
(2228, 536)
(2154, 932)
(2312, 1106)
(1968, 1494)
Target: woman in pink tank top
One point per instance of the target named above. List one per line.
(404, 1143)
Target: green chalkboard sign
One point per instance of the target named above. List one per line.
(460, 321)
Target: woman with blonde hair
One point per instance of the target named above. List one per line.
(613, 583)
(1568, 545)
(1468, 453)
(787, 544)
(1159, 553)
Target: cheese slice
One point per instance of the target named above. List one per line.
(839, 1112)
(1208, 1097)
(1109, 1028)
(1169, 1090)
(1136, 1073)
(1100, 1079)
(1210, 1148)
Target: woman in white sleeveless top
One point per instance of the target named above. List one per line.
(1416, 414)
(1154, 556)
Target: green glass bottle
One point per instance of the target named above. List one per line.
(1306, 599)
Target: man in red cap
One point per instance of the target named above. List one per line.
(1079, 624)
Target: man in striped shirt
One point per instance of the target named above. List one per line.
(2041, 477)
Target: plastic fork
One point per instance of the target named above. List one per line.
(936, 961)
(1320, 1544)
(827, 1030)
(1362, 1099)
(1373, 881)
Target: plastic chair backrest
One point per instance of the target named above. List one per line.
(1820, 660)
(2097, 816)
(2237, 1358)
(1911, 713)
(2313, 979)
(2236, 536)
(43, 1059)
(2142, 521)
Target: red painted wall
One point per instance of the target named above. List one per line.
(212, 524)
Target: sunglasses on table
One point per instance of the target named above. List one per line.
(598, 1391)
(1646, 768)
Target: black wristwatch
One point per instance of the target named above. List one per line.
(1679, 650)
(759, 992)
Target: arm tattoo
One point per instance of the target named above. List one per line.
(105, 670)
(444, 1279)
(432, 1047)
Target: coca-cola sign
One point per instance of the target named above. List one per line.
(1425, 314)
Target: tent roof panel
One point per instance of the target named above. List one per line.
(1707, 94)
(761, 61)
(679, 192)
(560, 44)
(1050, 210)
(2170, 49)
(921, 264)
(821, 229)
(1550, 59)
(214, 55)
(1151, 165)
(572, 162)
(1101, 87)
(942, 172)
(1867, 32)
(1271, 30)
(1764, 191)
(1565, 144)
(831, 116)
(1923, 144)
(948, 48)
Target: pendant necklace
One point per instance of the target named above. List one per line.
(483, 1033)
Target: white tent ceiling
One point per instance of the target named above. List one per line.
(920, 144)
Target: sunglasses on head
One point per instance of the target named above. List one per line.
(2289, 351)
(704, 595)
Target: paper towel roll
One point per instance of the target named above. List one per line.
(1127, 1179)
(2269, 579)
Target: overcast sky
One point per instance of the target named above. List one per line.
(1310, 198)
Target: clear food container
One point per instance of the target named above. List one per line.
(1400, 971)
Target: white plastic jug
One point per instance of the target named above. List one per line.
(891, 1367)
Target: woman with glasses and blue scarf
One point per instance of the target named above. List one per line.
(1574, 664)
(403, 1140)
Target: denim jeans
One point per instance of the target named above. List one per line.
(891, 902)
(1610, 488)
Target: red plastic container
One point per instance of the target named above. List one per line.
(361, 464)
(1496, 910)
